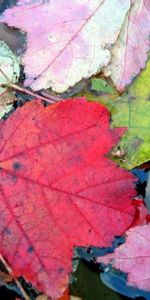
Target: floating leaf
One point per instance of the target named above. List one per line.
(68, 46)
(132, 110)
(55, 180)
(130, 51)
(133, 257)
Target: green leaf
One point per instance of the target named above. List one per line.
(100, 85)
(9, 64)
(130, 110)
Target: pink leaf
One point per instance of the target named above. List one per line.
(133, 257)
(66, 40)
(129, 54)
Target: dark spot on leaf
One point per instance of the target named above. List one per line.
(6, 231)
(30, 249)
(136, 143)
(60, 270)
(16, 165)
(132, 98)
(14, 178)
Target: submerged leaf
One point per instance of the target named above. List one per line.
(54, 181)
(100, 85)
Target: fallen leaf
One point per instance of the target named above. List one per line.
(129, 53)
(132, 110)
(55, 180)
(68, 46)
(133, 257)
(9, 64)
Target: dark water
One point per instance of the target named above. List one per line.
(89, 281)
(15, 39)
(5, 4)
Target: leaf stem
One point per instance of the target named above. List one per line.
(50, 99)
(49, 96)
(9, 270)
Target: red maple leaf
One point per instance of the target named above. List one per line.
(58, 190)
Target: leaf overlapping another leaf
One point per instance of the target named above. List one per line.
(58, 190)
(80, 42)
(129, 53)
(132, 110)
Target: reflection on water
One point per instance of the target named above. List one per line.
(90, 283)
(118, 283)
